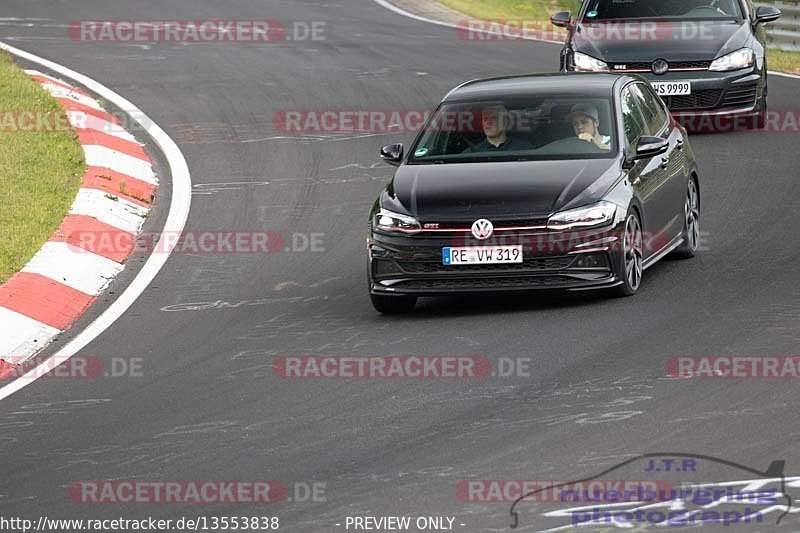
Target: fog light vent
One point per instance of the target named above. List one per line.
(591, 261)
(382, 267)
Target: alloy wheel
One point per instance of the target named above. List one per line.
(632, 244)
(692, 212)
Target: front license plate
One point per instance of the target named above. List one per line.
(672, 88)
(482, 255)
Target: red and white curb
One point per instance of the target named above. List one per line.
(64, 278)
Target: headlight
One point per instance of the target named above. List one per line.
(598, 214)
(587, 63)
(389, 222)
(734, 61)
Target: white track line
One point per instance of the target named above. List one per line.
(784, 75)
(399, 11)
(176, 221)
(392, 7)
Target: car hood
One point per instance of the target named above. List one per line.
(704, 40)
(503, 190)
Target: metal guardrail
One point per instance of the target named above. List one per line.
(784, 33)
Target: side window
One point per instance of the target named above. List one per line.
(654, 115)
(631, 117)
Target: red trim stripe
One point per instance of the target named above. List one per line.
(96, 137)
(97, 237)
(72, 105)
(44, 299)
(107, 180)
(7, 370)
(44, 79)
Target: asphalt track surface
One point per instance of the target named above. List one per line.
(209, 406)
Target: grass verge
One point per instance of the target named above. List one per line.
(511, 9)
(40, 171)
(540, 10)
(784, 61)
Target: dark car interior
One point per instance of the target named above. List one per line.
(544, 125)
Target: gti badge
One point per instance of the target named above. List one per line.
(660, 67)
(482, 229)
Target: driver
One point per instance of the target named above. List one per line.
(586, 124)
(494, 120)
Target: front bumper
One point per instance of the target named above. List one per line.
(551, 260)
(717, 93)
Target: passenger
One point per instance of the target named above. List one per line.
(586, 123)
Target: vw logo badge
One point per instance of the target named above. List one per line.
(660, 67)
(482, 229)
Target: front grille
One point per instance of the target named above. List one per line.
(740, 96)
(531, 265)
(673, 65)
(703, 99)
(466, 226)
(483, 283)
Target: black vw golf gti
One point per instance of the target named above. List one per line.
(562, 181)
(703, 57)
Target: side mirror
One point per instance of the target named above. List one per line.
(562, 19)
(646, 147)
(766, 14)
(393, 154)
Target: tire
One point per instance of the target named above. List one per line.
(630, 259)
(393, 305)
(691, 223)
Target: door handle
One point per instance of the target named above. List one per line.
(679, 144)
(664, 161)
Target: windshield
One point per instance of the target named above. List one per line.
(544, 128)
(672, 9)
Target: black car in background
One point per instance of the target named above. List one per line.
(701, 56)
(558, 181)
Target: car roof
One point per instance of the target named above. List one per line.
(567, 84)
